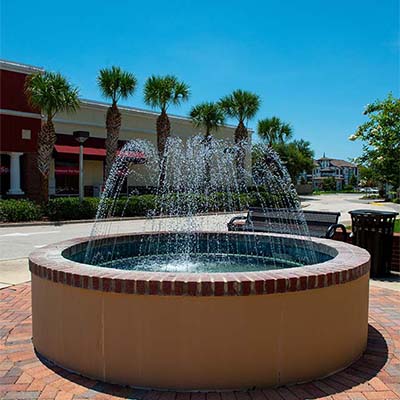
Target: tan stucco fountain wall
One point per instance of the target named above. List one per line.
(196, 342)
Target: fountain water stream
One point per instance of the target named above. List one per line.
(201, 177)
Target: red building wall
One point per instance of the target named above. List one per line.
(12, 95)
(12, 98)
(11, 133)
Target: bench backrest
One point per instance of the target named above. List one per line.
(291, 221)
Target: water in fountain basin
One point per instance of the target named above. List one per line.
(202, 177)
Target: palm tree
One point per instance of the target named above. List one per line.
(50, 93)
(115, 84)
(273, 130)
(160, 92)
(243, 106)
(208, 115)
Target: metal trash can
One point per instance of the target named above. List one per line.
(373, 231)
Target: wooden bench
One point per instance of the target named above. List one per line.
(318, 223)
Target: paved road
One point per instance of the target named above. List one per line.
(18, 242)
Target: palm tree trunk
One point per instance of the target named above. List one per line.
(113, 125)
(46, 141)
(241, 136)
(163, 132)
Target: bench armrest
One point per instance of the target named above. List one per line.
(231, 223)
(330, 232)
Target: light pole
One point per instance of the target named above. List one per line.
(80, 137)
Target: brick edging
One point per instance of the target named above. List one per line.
(349, 264)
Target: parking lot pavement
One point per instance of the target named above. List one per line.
(20, 241)
(345, 202)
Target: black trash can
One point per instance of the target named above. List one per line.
(373, 231)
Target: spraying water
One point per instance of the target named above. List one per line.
(201, 176)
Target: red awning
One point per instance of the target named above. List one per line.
(92, 151)
(132, 154)
(66, 171)
(88, 151)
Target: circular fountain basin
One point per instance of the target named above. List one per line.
(263, 327)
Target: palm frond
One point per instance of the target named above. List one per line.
(208, 114)
(161, 91)
(51, 93)
(273, 130)
(116, 84)
(241, 104)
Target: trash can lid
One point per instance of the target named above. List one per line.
(373, 212)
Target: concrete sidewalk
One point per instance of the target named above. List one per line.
(14, 272)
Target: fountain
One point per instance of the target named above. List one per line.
(190, 307)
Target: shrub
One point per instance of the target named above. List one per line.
(19, 211)
(69, 208)
(136, 205)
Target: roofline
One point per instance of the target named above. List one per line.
(19, 67)
(336, 159)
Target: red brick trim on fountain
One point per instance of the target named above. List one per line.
(348, 263)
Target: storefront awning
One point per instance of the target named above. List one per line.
(88, 151)
(92, 151)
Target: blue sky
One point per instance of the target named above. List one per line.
(315, 63)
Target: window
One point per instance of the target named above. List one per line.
(67, 177)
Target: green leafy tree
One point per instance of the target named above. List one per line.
(381, 137)
(273, 130)
(353, 181)
(243, 106)
(297, 156)
(329, 184)
(50, 93)
(368, 176)
(304, 147)
(115, 84)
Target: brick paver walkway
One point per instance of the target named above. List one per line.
(24, 376)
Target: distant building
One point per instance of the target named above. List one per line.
(326, 167)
